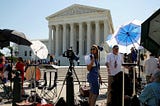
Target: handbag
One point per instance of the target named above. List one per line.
(84, 91)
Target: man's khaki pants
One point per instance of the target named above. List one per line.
(110, 80)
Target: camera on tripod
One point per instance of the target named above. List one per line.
(70, 54)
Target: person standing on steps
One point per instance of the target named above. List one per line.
(114, 62)
(93, 76)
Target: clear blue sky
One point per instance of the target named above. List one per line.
(28, 16)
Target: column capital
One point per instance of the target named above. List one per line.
(64, 24)
(71, 23)
(88, 22)
(80, 22)
(57, 25)
(105, 20)
(97, 21)
(50, 26)
(53, 27)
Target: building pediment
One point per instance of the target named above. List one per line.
(75, 10)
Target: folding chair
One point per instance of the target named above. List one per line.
(53, 87)
(51, 90)
(42, 84)
(6, 90)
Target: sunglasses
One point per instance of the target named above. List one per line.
(115, 64)
(116, 48)
(93, 48)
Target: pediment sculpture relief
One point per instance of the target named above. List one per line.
(76, 10)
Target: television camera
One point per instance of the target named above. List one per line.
(70, 54)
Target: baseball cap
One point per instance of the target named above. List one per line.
(115, 46)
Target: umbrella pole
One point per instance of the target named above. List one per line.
(134, 81)
(139, 60)
(123, 89)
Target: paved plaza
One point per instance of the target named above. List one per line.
(81, 73)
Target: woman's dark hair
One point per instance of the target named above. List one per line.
(1, 60)
(20, 59)
(96, 47)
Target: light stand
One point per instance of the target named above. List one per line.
(35, 65)
(33, 84)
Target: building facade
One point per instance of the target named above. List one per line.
(79, 27)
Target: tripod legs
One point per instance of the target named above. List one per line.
(69, 89)
(69, 86)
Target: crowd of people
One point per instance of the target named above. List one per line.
(5, 69)
(9, 70)
(150, 66)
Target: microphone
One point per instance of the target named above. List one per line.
(100, 48)
(91, 56)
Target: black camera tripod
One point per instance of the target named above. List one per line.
(70, 84)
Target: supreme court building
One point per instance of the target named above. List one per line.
(79, 27)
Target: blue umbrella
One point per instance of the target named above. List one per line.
(128, 34)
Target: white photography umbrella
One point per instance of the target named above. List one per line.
(39, 49)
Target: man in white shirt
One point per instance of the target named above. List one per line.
(150, 67)
(113, 62)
